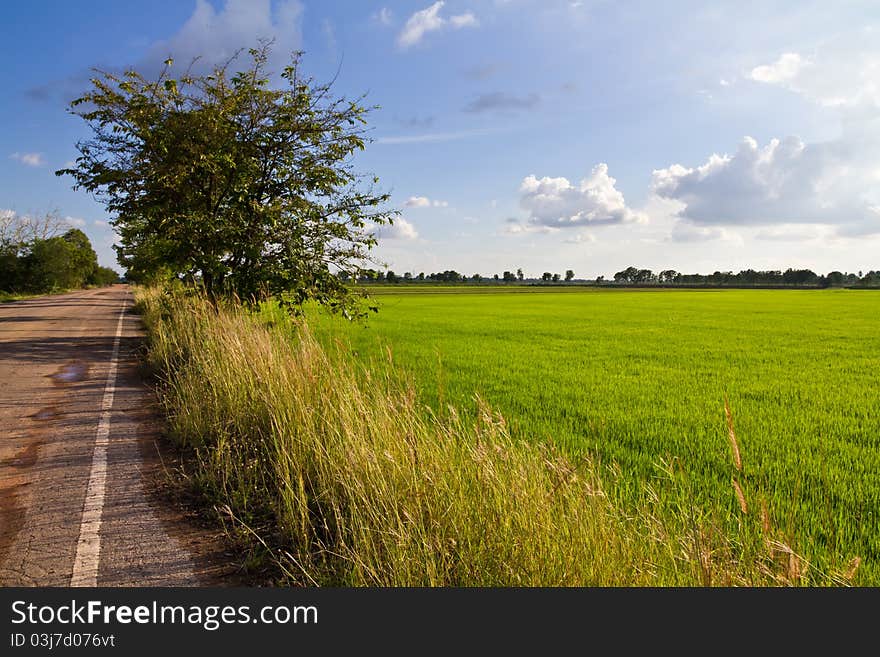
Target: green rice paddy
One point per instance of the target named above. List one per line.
(639, 379)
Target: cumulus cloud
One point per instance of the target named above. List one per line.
(783, 182)
(215, 35)
(557, 203)
(401, 229)
(29, 159)
(501, 101)
(424, 202)
(429, 20)
(842, 72)
(75, 222)
(782, 71)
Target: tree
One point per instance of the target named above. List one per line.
(508, 277)
(628, 275)
(60, 263)
(225, 179)
(556, 278)
(569, 275)
(546, 276)
(104, 276)
(667, 276)
(520, 276)
(24, 229)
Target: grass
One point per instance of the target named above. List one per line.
(639, 378)
(6, 297)
(341, 475)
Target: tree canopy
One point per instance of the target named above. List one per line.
(36, 256)
(228, 179)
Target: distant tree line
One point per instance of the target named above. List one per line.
(633, 276)
(38, 255)
(745, 278)
(452, 276)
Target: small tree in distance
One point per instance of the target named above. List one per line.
(224, 179)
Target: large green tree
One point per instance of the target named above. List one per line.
(231, 180)
(59, 263)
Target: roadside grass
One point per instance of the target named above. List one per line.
(6, 297)
(339, 475)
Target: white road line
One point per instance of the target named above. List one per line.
(88, 548)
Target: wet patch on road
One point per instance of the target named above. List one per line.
(71, 373)
(45, 413)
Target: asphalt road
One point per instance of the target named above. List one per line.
(80, 467)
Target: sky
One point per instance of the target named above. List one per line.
(538, 134)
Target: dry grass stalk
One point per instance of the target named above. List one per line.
(765, 517)
(737, 459)
(740, 496)
(853, 568)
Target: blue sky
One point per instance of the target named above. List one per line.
(547, 135)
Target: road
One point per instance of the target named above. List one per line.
(80, 467)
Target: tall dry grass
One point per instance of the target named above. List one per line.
(340, 478)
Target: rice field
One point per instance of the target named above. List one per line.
(638, 380)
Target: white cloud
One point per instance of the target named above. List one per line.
(215, 35)
(424, 202)
(98, 223)
(29, 159)
(464, 20)
(401, 229)
(783, 182)
(429, 20)
(782, 71)
(519, 228)
(384, 16)
(75, 221)
(555, 202)
(842, 72)
(329, 33)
